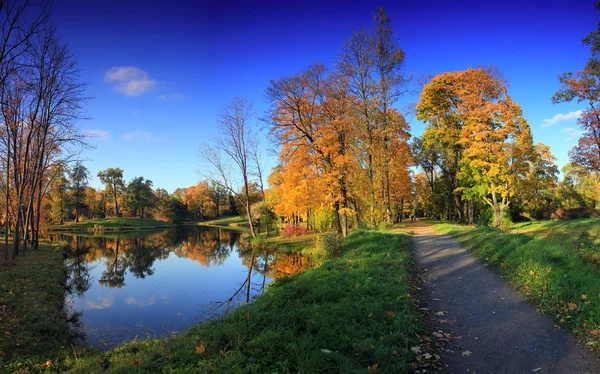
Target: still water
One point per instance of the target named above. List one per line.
(132, 286)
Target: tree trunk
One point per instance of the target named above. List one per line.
(338, 221)
(6, 212)
(470, 208)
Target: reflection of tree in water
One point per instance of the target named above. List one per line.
(114, 275)
(264, 264)
(79, 279)
(208, 247)
(285, 265)
(141, 257)
(138, 254)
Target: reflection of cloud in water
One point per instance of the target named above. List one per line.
(140, 303)
(101, 302)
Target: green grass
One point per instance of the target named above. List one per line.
(115, 223)
(33, 322)
(539, 259)
(292, 245)
(233, 221)
(353, 313)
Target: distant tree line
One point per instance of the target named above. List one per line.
(72, 199)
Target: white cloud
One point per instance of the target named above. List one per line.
(140, 303)
(129, 80)
(101, 302)
(561, 117)
(137, 135)
(100, 135)
(571, 133)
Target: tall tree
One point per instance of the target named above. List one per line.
(112, 178)
(584, 86)
(140, 196)
(485, 130)
(372, 60)
(234, 145)
(79, 176)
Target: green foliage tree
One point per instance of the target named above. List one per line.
(59, 198)
(79, 176)
(112, 178)
(140, 196)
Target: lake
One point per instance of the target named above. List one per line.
(134, 285)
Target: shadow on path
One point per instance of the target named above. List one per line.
(501, 331)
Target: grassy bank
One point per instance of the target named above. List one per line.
(353, 313)
(233, 221)
(111, 224)
(292, 245)
(33, 325)
(540, 260)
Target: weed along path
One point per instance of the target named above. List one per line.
(488, 325)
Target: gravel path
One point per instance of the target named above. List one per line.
(492, 329)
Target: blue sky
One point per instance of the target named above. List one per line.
(160, 73)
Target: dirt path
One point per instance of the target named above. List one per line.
(501, 331)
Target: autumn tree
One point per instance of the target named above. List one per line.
(112, 178)
(583, 86)
(372, 60)
(538, 190)
(60, 200)
(484, 130)
(232, 149)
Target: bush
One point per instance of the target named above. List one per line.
(294, 230)
(575, 213)
(327, 246)
(384, 226)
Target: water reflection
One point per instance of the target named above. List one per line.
(135, 285)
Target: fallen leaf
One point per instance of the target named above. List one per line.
(389, 313)
(137, 362)
(538, 369)
(427, 356)
(466, 353)
(373, 367)
(440, 313)
(325, 351)
(394, 353)
(200, 348)
(416, 349)
(437, 334)
(47, 364)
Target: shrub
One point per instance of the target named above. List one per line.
(575, 213)
(327, 246)
(294, 230)
(384, 226)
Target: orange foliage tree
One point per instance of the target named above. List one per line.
(484, 131)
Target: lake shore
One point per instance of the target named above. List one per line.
(33, 318)
(356, 311)
(110, 224)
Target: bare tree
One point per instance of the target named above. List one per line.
(41, 96)
(232, 149)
